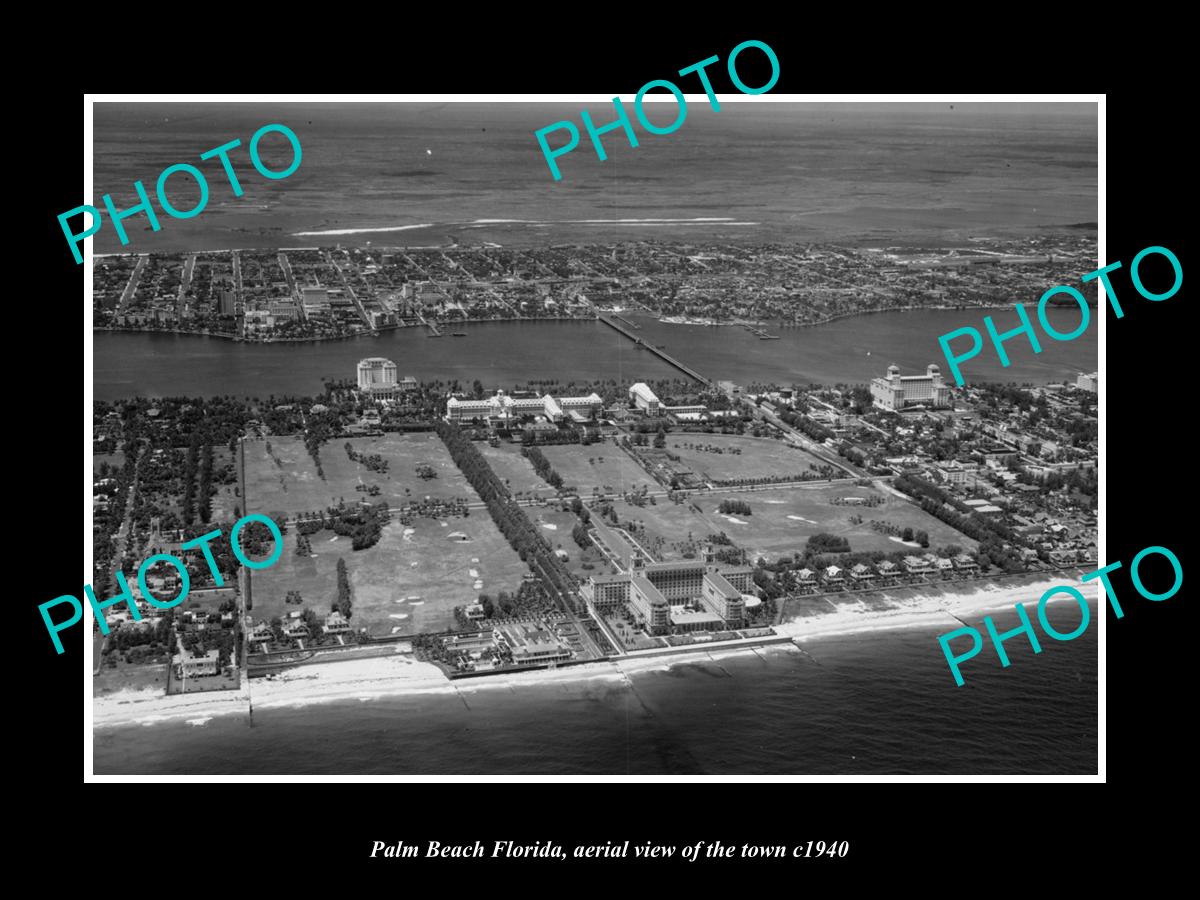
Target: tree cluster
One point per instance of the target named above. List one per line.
(542, 466)
(342, 603)
(521, 533)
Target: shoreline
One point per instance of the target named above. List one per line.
(400, 674)
(665, 320)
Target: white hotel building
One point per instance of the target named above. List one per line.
(376, 372)
(502, 407)
(897, 391)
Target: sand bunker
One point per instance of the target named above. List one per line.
(735, 520)
(398, 616)
(904, 542)
(802, 519)
(549, 526)
(474, 573)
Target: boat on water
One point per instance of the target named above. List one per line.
(458, 334)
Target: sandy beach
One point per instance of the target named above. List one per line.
(923, 612)
(366, 679)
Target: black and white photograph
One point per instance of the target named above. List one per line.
(502, 436)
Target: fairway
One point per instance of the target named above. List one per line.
(782, 521)
(759, 457)
(604, 466)
(284, 478)
(514, 470)
(667, 526)
(422, 560)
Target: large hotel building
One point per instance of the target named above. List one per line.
(897, 391)
(688, 595)
(504, 407)
(379, 378)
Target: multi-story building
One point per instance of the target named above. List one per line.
(187, 664)
(376, 372)
(897, 391)
(504, 408)
(315, 299)
(644, 399)
(666, 594)
(284, 311)
(1089, 383)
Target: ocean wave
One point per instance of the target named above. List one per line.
(361, 230)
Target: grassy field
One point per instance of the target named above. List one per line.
(285, 479)
(782, 521)
(597, 465)
(115, 461)
(760, 457)
(670, 524)
(420, 560)
(124, 676)
(514, 469)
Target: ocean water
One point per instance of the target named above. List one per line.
(883, 174)
(905, 173)
(878, 703)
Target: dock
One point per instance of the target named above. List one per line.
(657, 351)
(432, 326)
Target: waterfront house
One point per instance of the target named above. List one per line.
(188, 665)
(833, 578)
(296, 630)
(965, 565)
(888, 571)
(916, 566)
(861, 575)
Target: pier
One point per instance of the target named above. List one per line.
(662, 354)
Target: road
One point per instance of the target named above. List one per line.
(362, 313)
(131, 288)
(291, 280)
(184, 283)
(807, 443)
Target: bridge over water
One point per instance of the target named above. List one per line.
(665, 357)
